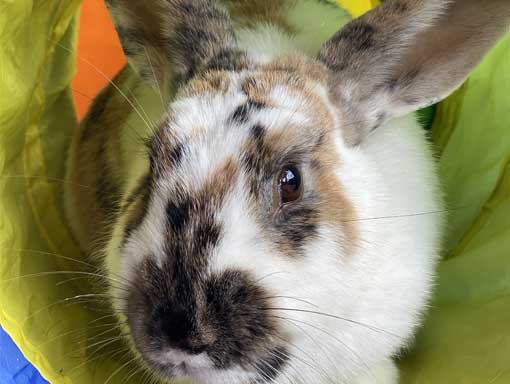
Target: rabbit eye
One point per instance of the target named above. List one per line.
(289, 185)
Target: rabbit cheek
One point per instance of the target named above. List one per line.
(335, 208)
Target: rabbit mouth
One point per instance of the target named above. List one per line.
(199, 369)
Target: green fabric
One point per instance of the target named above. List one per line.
(36, 119)
(466, 337)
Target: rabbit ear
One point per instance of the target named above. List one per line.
(406, 55)
(168, 41)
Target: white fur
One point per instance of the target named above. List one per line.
(384, 285)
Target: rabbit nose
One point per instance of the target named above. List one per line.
(180, 329)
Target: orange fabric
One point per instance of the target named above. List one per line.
(98, 46)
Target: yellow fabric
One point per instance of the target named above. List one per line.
(466, 337)
(36, 118)
(358, 7)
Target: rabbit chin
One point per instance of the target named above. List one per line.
(184, 373)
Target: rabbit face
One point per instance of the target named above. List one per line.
(288, 223)
(241, 216)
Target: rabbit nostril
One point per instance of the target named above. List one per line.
(179, 329)
(175, 324)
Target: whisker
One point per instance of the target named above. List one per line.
(103, 317)
(155, 77)
(48, 178)
(110, 354)
(136, 370)
(291, 298)
(81, 93)
(269, 275)
(76, 331)
(50, 273)
(365, 365)
(151, 128)
(130, 361)
(277, 372)
(316, 367)
(407, 215)
(326, 353)
(373, 328)
(104, 343)
(49, 254)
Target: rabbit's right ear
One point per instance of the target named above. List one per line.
(168, 41)
(407, 54)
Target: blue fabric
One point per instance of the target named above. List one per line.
(14, 368)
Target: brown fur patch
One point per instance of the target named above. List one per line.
(303, 65)
(220, 183)
(210, 82)
(335, 207)
(95, 160)
(295, 72)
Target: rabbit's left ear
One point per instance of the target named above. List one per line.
(406, 55)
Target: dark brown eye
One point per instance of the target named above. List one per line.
(289, 185)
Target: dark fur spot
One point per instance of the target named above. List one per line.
(206, 235)
(258, 133)
(242, 112)
(175, 154)
(98, 107)
(270, 367)
(164, 156)
(259, 167)
(107, 192)
(177, 325)
(191, 231)
(240, 115)
(107, 195)
(229, 323)
(227, 60)
(235, 306)
(200, 12)
(95, 114)
(190, 36)
(359, 35)
(351, 41)
(178, 214)
(132, 40)
(297, 225)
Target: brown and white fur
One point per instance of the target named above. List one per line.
(221, 281)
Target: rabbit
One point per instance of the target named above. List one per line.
(271, 211)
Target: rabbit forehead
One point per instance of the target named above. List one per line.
(241, 128)
(291, 90)
(219, 114)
